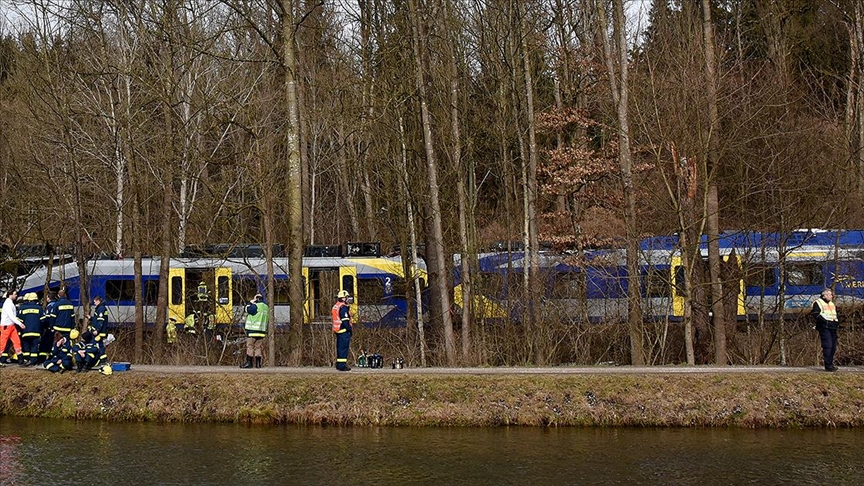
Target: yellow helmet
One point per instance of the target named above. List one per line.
(31, 296)
(74, 334)
(107, 370)
(342, 294)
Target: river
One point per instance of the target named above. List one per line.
(45, 451)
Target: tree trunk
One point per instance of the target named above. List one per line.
(415, 277)
(712, 204)
(295, 202)
(456, 158)
(435, 249)
(620, 97)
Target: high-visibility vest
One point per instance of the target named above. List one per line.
(256, 324)
(827, 310)
(337, 320)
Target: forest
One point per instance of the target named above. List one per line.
(137, 127)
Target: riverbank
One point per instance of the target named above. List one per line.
(380, 397)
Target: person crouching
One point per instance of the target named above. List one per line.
(87, 352)
(61, 354)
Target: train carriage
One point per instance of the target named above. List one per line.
(776, 274)
(377, 283)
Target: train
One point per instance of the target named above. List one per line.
(777, 276)
(378, 283)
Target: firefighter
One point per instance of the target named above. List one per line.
(9, 324)
(31, 314)
(203, 292)
(202, 308)
(342, 327)
(64, 315)
(61, 354)
(258, 313)
(99, 325)
(87, 352)
(47, 339)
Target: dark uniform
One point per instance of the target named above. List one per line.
(31, 314)
(47, 340)
(342, 327)
(64, 316)
(61, 356)
(825, 313)
(99, 327)
(87, 353)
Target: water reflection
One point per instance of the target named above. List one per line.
(34, 451)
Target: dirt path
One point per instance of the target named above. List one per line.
(587, 370)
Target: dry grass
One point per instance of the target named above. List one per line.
(702, 400)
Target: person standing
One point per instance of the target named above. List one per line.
(47, 340)
(342, 327)
(64, 315)
(99, 326)
(31, 315)
(258, 315)
(825, 312)
(9, 324)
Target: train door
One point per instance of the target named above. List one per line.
(739, 308)
(307, 297)
(322, 285)
(222, 296)
(347, 281)
(177, 294)
(676, 276)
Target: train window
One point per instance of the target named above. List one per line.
(371, 290)
(281, 291)
(761, 276)
(222, 289)
(808, 274)
(244, 289)
(176, 290)
(151, 291)
(657, 282)
(490, 284)
(348, 284)
(400, 287)
(117, 290)
(567, 285)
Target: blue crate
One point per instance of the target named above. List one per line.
(120, 366)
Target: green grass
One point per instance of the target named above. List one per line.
(656, 400)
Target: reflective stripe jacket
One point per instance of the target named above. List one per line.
(64, 320)
(49, 315)
(825, 313)
(99, 321)
(31, 314)
(256, 320)
(341, 317)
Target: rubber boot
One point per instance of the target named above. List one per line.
(80, 364)
(23, 362)
(248, 363)
(257, 361)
